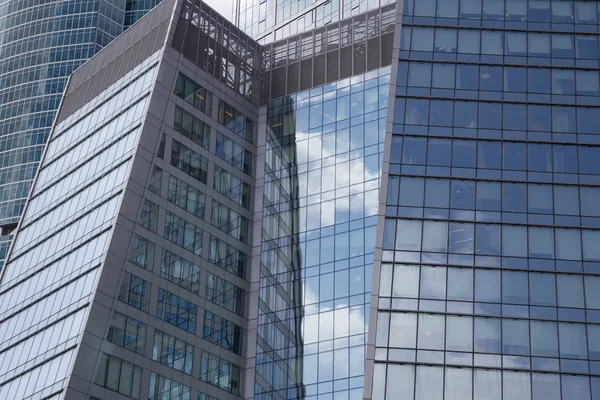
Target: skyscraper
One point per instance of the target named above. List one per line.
(487, 257)
(41, 43)
(402, 204)
(198, 228)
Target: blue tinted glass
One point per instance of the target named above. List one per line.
(411, 191)
(488, 196)
(566, 200)
(489, 155)
(487, 286)
(564, 119)
(515, 116)
(573, 340)
(544, 339)
(465, 114)
(441, 113)
(565, 159)
(417, 112)
(514, 197)
(487, 239)
(586, 46)
(563, 81)
(461, 238)
(402, 73)
(539, 157)
(539, 80)
(542, 289)
(439, 152)
(414, 151)
(464, 153)
(437, 193)
(514, 156)
(443, 76)
(589, 160)
(539, 118)
(490, 78)
(463, 195)
(514, 287)
(588, 120)
(467, 77)
(419, 74)
(396, 149)
(515, 337)
(487, 335)
(515, 79)
(587, 83)
(490, 115)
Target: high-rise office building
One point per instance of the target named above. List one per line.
(41, 43)
(203, 221)
(403, 204)
(488, 256)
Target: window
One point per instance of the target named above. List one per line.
(135, 292)
(224, 294)
(142, 252)
(237, 122)
(230, 221)
(573, 340)
(162, 388)
(193, 93)
(127, 332)
(487, 335)
(119, 376)
(173, 352)
(183, 233)
(189, 162)
(222, 332)
(191, 127)
(431, 332)
(186, 196)
(459, 333)
(515, 337)
(180, 271)
(544, 339)
(220, 373)
(228, 257)
(149, 215)
(176, 311)
(403, 330)
(234, 153)
(429, 382)
(155, 183)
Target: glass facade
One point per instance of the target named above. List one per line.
(489, 262)
(43, 42)
(270, 20)
(322, 170)
(55, 260)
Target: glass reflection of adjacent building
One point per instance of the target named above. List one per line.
(489, 280)
(323, 163)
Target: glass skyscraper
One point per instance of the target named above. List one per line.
(203, 221)
(488, 261)
(401, 201)
(42, 42)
